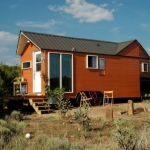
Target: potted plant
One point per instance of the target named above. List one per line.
(17, 79)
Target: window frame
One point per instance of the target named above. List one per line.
(96, 65)
(26, 67)
(60, 84)
(104, 64)
(143, 67)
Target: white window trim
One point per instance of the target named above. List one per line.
(96, 62)
(60, 66)
(26, 62)
(142, 67)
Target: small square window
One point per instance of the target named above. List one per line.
(144, 67)
(26, 65)
(92, 61)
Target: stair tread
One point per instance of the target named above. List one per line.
(43, 106)
(41, 102)
(45, 110)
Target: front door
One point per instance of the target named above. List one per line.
(36, 72)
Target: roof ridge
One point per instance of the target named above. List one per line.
(69, 37)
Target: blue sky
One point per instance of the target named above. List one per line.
(106, 20)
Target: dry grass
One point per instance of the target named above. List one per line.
(53, 125)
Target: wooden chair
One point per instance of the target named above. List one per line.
(84, 99)
(108, 95)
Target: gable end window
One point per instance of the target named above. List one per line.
(26, 65)
(144, 67)
(91, 62)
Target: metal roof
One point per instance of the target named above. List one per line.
(56, 42)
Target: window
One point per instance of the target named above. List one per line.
(102, 63)
(92, 61)
(38, 62)
(144, 67)
(26, 65)
(61, 71)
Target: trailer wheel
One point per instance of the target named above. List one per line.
(77, 99)
(99, 98)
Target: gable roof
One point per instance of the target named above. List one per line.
(56, 42)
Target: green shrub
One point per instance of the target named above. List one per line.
(57, 143)
(77, 146)
(125, 135)
(20, 143)
(16, 115)
(17, 127)
(63, 106)
(3, 123)
(82, 118)
(2, 142)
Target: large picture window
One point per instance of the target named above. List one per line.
(92, 61)
(60, 71)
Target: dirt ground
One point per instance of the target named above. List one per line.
(119, 111)
(53, 125)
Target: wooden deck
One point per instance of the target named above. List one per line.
(38, 102)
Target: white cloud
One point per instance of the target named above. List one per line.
(10, 60)
(62, 33)
(104, 5)
(7, 38)
(85, 12)
(36, 24)
(121, 4)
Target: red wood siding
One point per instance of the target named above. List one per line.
(27, 55)
(122, 74)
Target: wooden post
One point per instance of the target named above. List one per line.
(130, 107)
(109, 113)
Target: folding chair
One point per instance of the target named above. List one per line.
(84, 99)
(108, 95)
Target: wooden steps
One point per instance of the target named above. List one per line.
(40, 105)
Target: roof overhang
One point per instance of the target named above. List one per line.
(22, 41)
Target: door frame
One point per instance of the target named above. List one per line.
(33, 74)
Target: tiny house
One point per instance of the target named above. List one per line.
(78, 64)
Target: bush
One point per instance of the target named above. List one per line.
(57, 144)
(8, 129)
(77, 146)
(82, 117)
(16, 115)
(63, 106)
(127, 137)
(17, 127)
